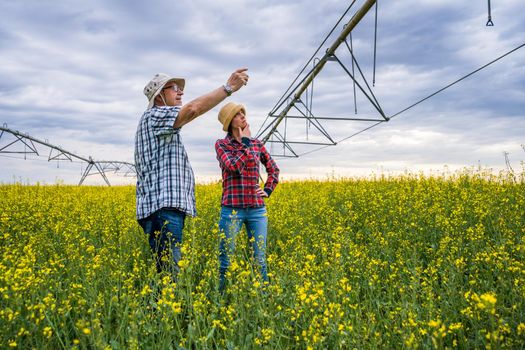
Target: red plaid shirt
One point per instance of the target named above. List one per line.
(240, 172)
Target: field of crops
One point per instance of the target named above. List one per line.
(382, 263)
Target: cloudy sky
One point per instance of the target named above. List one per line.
(72, 72)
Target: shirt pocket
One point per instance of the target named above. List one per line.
(166, 139)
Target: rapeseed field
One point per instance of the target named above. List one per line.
(379, 263)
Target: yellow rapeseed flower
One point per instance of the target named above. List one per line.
(521, 329)
(434, 324)
(48, 332)
(487, 301)
(146, 290)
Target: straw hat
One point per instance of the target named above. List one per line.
(155, 85)
(227, 112)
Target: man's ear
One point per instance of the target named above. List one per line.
(158, 99)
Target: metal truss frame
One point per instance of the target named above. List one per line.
(275, 132)
(57, 153)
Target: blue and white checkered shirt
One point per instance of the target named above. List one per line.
(164, 175)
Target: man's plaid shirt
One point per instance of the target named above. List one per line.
(239, 163)
(164, 175)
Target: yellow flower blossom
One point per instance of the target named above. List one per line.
(521, 328)
(392, 261)
(47, 332)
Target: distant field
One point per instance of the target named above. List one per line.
(402, 262)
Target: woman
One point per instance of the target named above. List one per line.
(242, 199)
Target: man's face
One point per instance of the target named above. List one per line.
(239, 121)
(172, 94)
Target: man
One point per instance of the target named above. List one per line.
(165, 182)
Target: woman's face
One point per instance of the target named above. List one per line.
(239, 121)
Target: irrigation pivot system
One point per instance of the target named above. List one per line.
(299, 96)
(292, 126)
(56, 153)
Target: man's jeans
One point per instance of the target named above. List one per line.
(231, 221)
(164, 228)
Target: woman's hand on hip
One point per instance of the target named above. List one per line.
(261, 192)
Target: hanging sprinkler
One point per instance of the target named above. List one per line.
(489, 21)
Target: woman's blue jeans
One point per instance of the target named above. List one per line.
(164, 230)
(230, 223)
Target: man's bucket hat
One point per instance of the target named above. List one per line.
(155, 85)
